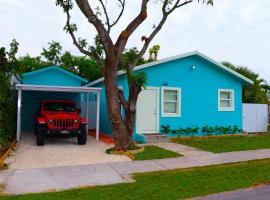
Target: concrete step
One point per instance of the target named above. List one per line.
(156, 138)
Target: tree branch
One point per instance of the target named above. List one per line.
(125, 34)
(93, 19)
(109, 25)
(165, 14)
(122, 99)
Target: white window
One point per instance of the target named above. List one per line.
(225, 100)
(171, 101)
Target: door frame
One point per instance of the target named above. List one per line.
(157, 113)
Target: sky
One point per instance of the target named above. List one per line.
(234, 31)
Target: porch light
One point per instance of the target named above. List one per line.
(193, 67)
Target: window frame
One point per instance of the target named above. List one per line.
(226, 109)
(179, 101)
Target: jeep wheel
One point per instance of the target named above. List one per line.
(40, 137)
(82, 137)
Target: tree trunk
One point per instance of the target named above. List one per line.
(122, 129)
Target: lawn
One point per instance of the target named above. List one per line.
(154, 152)
(174, 184)
(229, 143)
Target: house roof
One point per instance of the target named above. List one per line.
(54, 68)
(168, 59)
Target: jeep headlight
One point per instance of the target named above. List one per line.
(76, 121)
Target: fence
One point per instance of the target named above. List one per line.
(255, 118)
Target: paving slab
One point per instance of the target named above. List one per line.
(136, 167)
(60, 178)
(182, 149)
(177, 163)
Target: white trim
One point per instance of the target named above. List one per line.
(157, 112)
(19, 105)
(56, 88)
(98, 116)
(175, 58)
(179, 98)
(229, 109)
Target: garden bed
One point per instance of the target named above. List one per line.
(5, 153)
(146, 153)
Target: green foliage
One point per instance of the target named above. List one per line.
(53, 52)
(154, 152)
(128, 56)
(27, 64)
(165, 129)
(255, 93)
(229, 143)
(205, 130)
(7, 96)
(153, 52)
(138, 80)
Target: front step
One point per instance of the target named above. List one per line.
(152, 138)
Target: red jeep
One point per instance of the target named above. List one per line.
(59, 118)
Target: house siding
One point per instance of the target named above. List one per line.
(199, 93)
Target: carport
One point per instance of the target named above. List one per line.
(61, 89)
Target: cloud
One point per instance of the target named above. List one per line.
(236, 31)
(12, 3)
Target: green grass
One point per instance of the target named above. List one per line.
(154, 152)
(171, 185)
(229, 143)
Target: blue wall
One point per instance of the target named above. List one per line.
(199, 93)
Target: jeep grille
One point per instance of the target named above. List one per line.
(63, 122)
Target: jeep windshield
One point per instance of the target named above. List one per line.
(59, 106)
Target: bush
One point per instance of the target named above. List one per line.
(7, 104)
(205, 130)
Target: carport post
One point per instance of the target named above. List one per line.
(87, 110)
(18, 135)
(98, 110)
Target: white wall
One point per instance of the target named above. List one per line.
(255, 117)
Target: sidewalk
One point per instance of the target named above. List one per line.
(21, 181)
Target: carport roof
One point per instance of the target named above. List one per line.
(56, 88)
(54, 68)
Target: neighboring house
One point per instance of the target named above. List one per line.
(182, 91)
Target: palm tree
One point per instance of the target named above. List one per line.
(256, 93)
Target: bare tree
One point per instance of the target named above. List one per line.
(122, 127)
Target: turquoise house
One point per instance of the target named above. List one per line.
(187, 90)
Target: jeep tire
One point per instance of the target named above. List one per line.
(40, 136)
(82, 138)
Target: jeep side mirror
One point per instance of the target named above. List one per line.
(79, 110)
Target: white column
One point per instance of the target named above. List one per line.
(98, 110)
(87, 110)
(18, 135)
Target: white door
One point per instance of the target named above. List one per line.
(147, 116)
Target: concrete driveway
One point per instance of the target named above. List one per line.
(59, 152)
